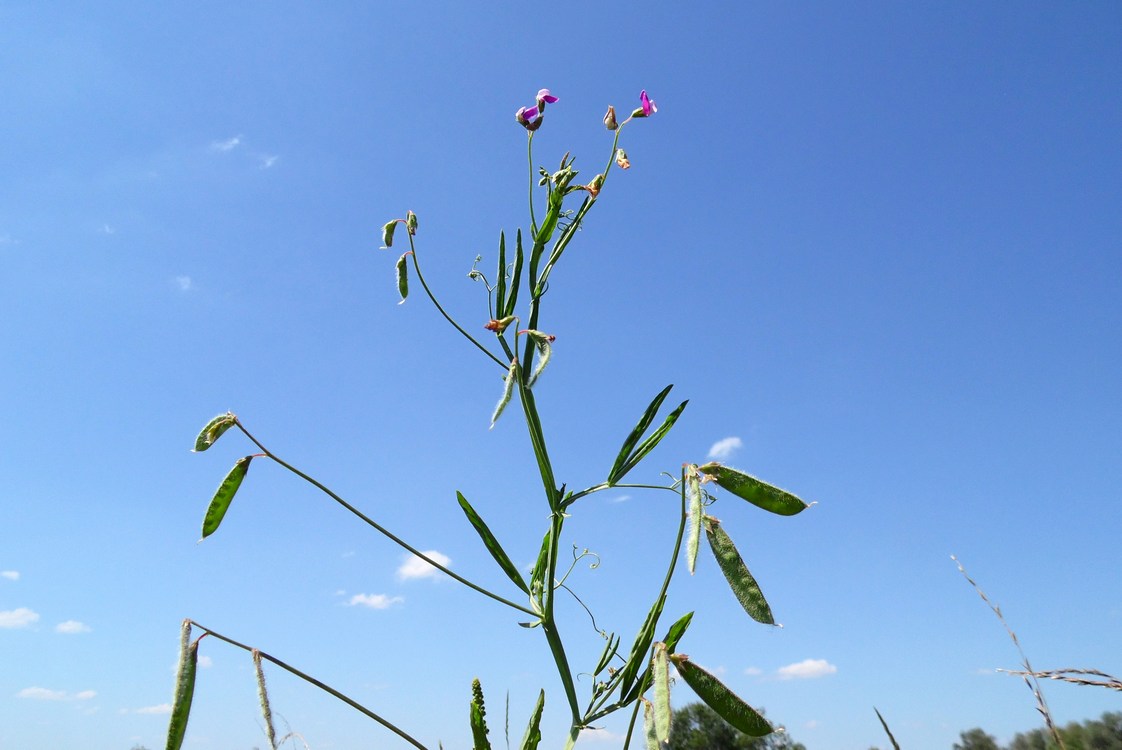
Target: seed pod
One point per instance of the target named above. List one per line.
(402, 271)
(740, 580)
(758, 493)
(387, 234)
(213, 430)
(224, 496)
(184, 687)
(719, 698)
(661, 669)
(693, 489)
(508, 389)
(650, 734)
(263, 697)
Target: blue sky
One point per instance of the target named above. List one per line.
(878, 246)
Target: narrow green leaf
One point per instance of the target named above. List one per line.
(184, 688)
(887, 731)
(758, 493)
(537, 577)
(649, 444)
(478, 721)
(492, 544)
(677, 630)
(693, 489)
(508, 389)
(515, 278)
(660, 666)
(500, 282)
(741, 582)
(533, 734)
(650, 732)
(224, 496)
(719, 698)
(213, 430)
(402, 270)
(633, 438)
(611, 648)
(639, 648)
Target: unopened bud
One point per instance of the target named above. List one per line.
(411, 222)
(610, 118)
(498, 326)
(622, 160)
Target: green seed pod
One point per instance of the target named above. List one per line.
(263, 697)
(650, 734)
(387, 234)
(213, 430)
(740, 580)
(224, 496)
(719, 698)
(693, 489)
(508, 389)
(660, 667)
(758, 493)
(402, 278)
(184, 688)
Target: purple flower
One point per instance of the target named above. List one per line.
(531, 117)
(646, 108)
(545, 97)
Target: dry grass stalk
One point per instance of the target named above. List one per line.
(1029, 675)
(1070, 675)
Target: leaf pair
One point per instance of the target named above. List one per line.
(632, 451)
(507, 298)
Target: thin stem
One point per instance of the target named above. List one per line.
(308, 678)
(380, 529)
(530, 159)
(605, 486)
(465, 334)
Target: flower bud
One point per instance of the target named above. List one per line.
(411, 222)
(622, 160)
(610, 118)
(498, 326)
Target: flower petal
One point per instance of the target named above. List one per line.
(548, 98)
(649, 107)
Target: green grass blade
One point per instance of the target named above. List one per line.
(649, 444)
(719, 698)
(887, 731)
(224, 496)
(213, 430)
(184, 688)
(760, 494)
(740, 580)
(633, 438)
(533, 734)
(492, 544)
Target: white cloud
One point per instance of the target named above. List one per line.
(375, 601)
(753, 671)
(71, 627)
(163, 708)
(619, 498)
(807, 669)
(184, 283)
(205, 661)
(415, 567)
(18, 618)
(11, 575)
(725, 447)
(227, 145)
(267, 160)
(85, 695)
(42, 694)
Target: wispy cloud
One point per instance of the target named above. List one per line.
(415, 567)
(375, 601)
(184, 283)
(11, 575)
(205, 661)
(106, 229)
(619, 498)
(725, 447)
(807, 669)
(267, 160)
(227, 145)
(163, 708)
(71, 627)
(753, 671)
(18, 618)
(45, 694)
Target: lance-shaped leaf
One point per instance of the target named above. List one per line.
(629, 455)
(184, 688)
(673, 635)
(650, 732)
(478, 721)
(693, 490)
(611, 648)
(719, 698)
(508, 389)
(741, 582)
(537, 576)
(500, 280)
(402, 271)
(533, 734)
(492, 544)
(213, 430)
(639, 648)
(660, 666)
(224, 496)
(515, 278)
(760, 494)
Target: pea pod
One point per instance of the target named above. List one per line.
(224, 496)
(402, 271)
(508, 390)
(740, 580)
(693, 490)
(661, 668)
(184, 687)
(213, 430)
(650, 733)
(719, 698)
(760, 494)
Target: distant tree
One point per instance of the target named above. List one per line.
(698, 727)
(1104, 733)
(976, 739)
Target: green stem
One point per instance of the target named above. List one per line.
(308, 678)
(530, 159)
(380, 529)
(465, 334)
(604, 486)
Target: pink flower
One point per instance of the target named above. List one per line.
(647, 106)
(531, 117)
